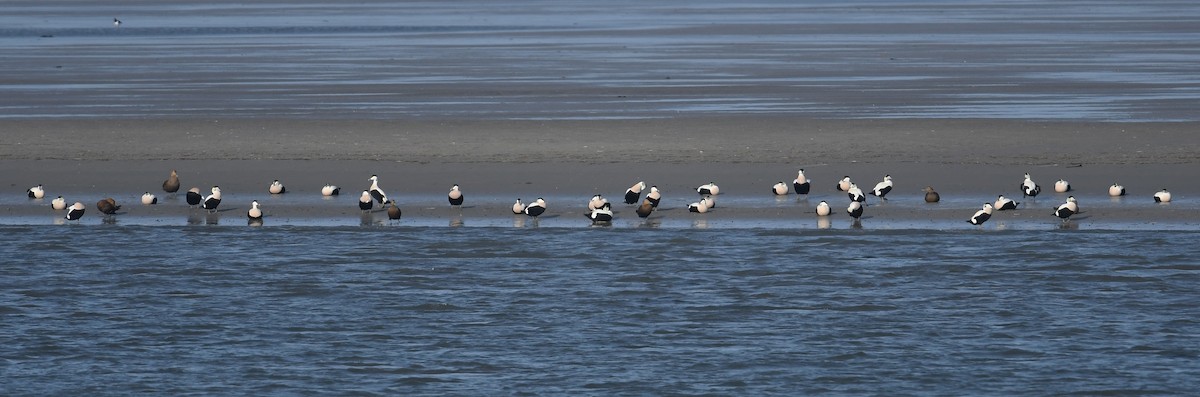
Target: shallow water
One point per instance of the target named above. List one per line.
(1095, 61)
(94, 310)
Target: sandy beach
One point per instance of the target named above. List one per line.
(569, 101)
(967, 161)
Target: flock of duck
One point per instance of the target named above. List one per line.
(599, 209)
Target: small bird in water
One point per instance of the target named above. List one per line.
(518, 207)
(654, 196)
(710, 189)
(633, 193)
(149, 199)
(536, 208)
(455, 196)
(76, 211)
(701, 206)
(883, 188)
(801, 184)
(211, 202)
(596, 201)
(1030, 188)
(116, 23)
(856, 194)
(982, 215)
(393, 211)
(602, 215)
(108, 206)
(931, 196)
(193, 196)
(255, 212)
(330, 190)
(1005, 203)
(59, 203)
(855, 210)
(365, 201)
(844, 184)
(171, 185)
(644, 210)
(1065, 210)
(823, 208)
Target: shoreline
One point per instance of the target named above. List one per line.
(568, 162)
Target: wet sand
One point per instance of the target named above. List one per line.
(566, 162)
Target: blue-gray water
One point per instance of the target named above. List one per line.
(574, 59)
(202, 310)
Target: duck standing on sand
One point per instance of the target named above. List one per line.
(171, 185)
(1116, 190)
(982, 215)
(455, 197)
(376, 192)
(255, 213)
(930, 195)
(518, 207)
(36, 192)
(76, 211)
(211, 202)
(779, 189)
(883, 188)
(1162, 197)
(1005, 203)
(1030, 188)
(193, 196)
(108, 206)
(536, 208)
(602, 215)
(654, 196)
(277, 188)
(365, 201)
(823, 209)
(634, 193)
(801, 183)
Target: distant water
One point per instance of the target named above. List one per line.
(573, 59)
(194, 310)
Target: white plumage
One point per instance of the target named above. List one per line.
(1116, 190)
(59, 203)
(213, 200)
(1162, 197)
(1062, 186)
(883, 188)
(149, 199)
(1030, 188)
(823, 209)
(801, 183)
(76, 211)
(36, 192)
(518, 207)
(255, 212)
(982, 215)
(779, 189)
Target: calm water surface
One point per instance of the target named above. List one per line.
(573, 59)
(179, 310)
